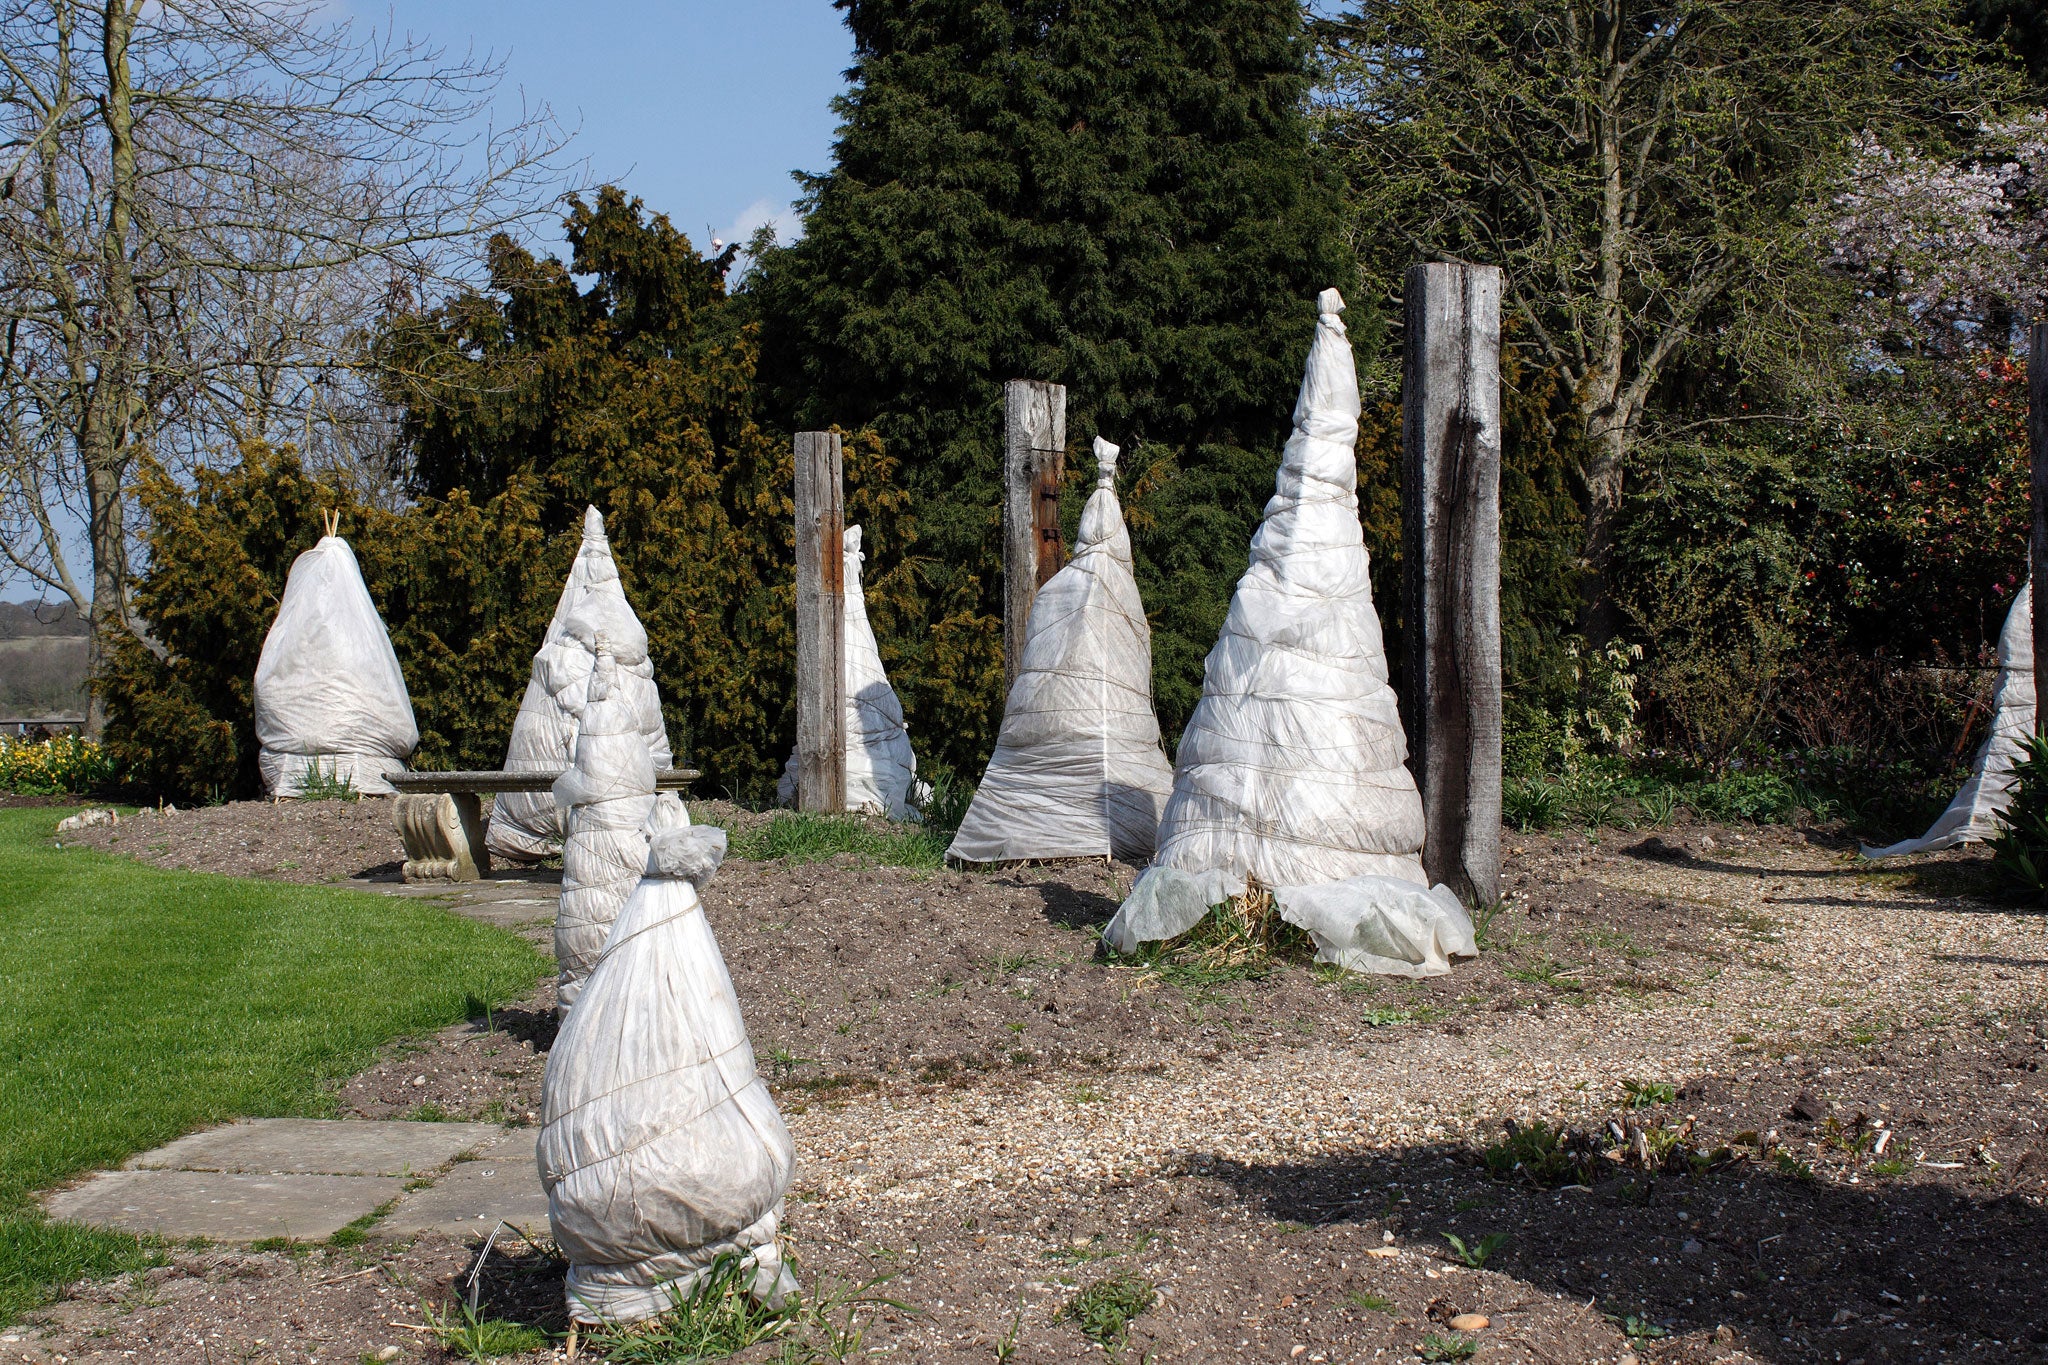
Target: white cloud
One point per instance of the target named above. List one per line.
(782, 217)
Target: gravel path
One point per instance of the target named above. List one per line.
(1830, 950)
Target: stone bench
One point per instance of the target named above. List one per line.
(440, 816)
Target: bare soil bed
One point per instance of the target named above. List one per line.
(1827, 1080)
(290, 841)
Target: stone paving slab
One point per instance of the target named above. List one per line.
(345, 1147)
(502, 1184)
(509, 900)
(224, 1206)
(507, 912)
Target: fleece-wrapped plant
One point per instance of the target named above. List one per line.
(661, 1150)
(606, 802)
(1292, 774)
(1077, 771)
(331, 702)
(1974, 814)
(881, 770)
(526, 826)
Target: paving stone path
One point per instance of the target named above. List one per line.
(309, 1178)
(516, 898)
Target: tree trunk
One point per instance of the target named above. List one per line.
(107, 525)
(1601, 396)
(108, 413)
(1607, 434)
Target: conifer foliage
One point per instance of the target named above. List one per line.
(523, 402)
(459, 585)
(636, 393)
(1117, 195)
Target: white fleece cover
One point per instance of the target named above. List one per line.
(1293, 769)
(1077, 771)
(660, 1148)
(1974, 814)
(606, 800)
(329, 692)
(525, 826)
(881, 771)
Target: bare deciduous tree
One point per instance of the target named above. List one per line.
(1636, 166)
(204, 205)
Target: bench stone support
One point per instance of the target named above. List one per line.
(443, 834)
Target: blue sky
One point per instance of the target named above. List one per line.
(701, 108)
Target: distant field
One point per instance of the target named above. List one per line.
(42, 675)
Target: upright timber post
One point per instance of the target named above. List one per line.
(1450, 569)
(2037, 558)
(820, 624)
(1034, 461)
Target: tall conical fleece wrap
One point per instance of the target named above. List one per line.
(881, 770)
(1077, 771)
(606, 800)
(1293, 769)
(660, 1149)
(329, 693)
(1975, 813)
(525, 826)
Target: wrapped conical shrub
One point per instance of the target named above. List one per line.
(660, 1149)
(1077, 770)
(330, 697)
(525, 826)
(881, 770)
(606, 801)
(1974, 813)
(1292, 773)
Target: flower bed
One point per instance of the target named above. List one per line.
(63, 763)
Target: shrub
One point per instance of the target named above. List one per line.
(1531, 803)
(2020, 852)
(1756, 798)
(522, 404)
(61, 764)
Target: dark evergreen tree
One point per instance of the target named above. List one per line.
(2019, 26)
(634, 390)
(1119, 195)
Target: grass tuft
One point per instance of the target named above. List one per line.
(1437, 1347)
(800, 837)
(717, 1317)
(326, 784)
(1104, 1310)
(38, 1256)
(1477, 1253)
(466, 1335)
(1240, 940)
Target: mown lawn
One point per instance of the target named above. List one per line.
(141, 1004)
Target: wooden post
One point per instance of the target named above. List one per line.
(1034, 461)
(1450, 571)
(820, 624)
(2037, 557)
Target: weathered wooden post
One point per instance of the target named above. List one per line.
(2037, 557)
(1450, 571)
(1034, 461)
(820, 624)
